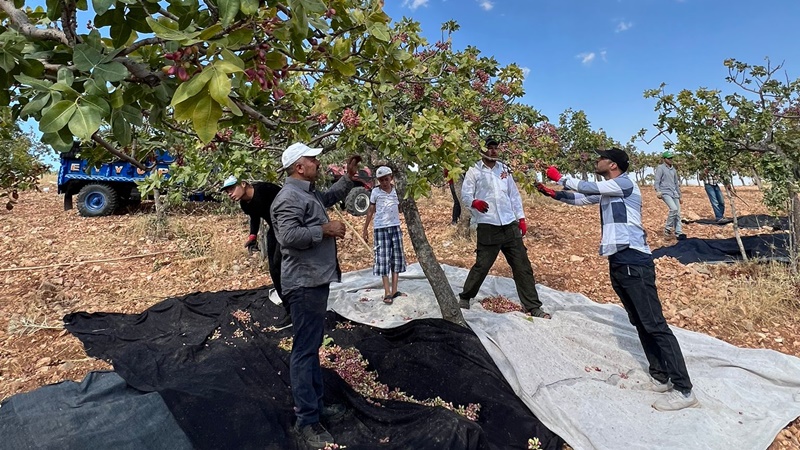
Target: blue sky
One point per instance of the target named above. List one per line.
(600, 55)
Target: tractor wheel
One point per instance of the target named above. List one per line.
(96, 200)
(357, 201)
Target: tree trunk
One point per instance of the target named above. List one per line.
(794, 226)
(427, 259)
(757, 181)
(736, 233)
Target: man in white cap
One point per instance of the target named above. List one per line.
(256, 201)
(308, 245)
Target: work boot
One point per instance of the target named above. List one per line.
(333, 412)
(675, 401)
(680, 236)
(463, 303)
(315, 435)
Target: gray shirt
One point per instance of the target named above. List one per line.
(666, 181)
(298, 213)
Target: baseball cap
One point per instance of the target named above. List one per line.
(615, 155)
(230, 181)
(667, 154)
(491, 141)
(295, 152)
(382, 172)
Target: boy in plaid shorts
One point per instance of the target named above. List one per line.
(385, 208)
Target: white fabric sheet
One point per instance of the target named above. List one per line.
(579, 372)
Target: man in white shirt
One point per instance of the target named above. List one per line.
(490, 190)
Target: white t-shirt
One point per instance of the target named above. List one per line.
(387, 211)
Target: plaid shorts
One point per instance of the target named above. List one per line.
(388, 251)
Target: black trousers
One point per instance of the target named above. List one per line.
(456, 204)
(492, 240)
(308, 307)
(636, 288)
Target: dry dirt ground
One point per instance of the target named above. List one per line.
(76, 264)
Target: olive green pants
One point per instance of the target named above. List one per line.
(493, 239)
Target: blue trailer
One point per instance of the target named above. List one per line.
(101, 190)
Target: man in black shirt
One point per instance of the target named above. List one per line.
(256, 201)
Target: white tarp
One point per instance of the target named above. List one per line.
(578, 372)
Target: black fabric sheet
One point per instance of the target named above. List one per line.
(101, 412)
(754, 221)
(227, 383)
(763, 246)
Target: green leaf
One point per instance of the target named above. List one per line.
(231, 57)
(191, 87)
(85, 121)
(98, 103)
(110, 72)
(205, 118)
(85, 57)
(61, 87)
(36, 105)
(120, 34)
(5, 97)
(117, 100)
(101, 6)
(137, 19)
(57, 116)
(210, 32)
(32, 67)
(132, 114)
(61, 142)
(220, 88)
(93, 87)
(275, 60)
(249, 7)
(226, 66)
(65, 76)
(36, 84)
(161, 30)
(240, 37)
(7, 61)
(185, 110)
(380, 31)
(346, 69)
(227, 11)
(122, 130)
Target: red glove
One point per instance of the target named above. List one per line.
(480, 205)
(553, 173)
(251, 243)
(523, 226)
(545, 190)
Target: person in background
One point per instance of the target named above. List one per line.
(668, 189)
(633, 275)
(384, 206)
(490, 189)
(711, 182)
(256, 201)
(309, 265)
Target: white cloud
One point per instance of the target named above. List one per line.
(603, 55)
(623, 26)
(525, 72)
(486, 4)
(414, 4)
(586, 58)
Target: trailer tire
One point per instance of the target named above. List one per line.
(95, 200)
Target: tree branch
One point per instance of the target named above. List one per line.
(19, 22)
(140, 44)
(140, 71)
(255, 114)
(97, 138)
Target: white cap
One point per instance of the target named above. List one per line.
(382, 172)
(230, 181)
(295, 152)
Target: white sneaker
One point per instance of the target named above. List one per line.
(675, 401)
(654, 385)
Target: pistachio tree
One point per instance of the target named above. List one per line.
(757, 123)
(578, 139)
(20, 160)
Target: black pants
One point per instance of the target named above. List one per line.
(492, 240)
(274, 261)
(456, 204)
(308, 307)
(636, 288)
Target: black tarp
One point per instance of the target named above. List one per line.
(763, 246)
(751, 221)
(101, 412)
(233, 391)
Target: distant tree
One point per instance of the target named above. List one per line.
(578, 140)
(757, 124)
(20, 160)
